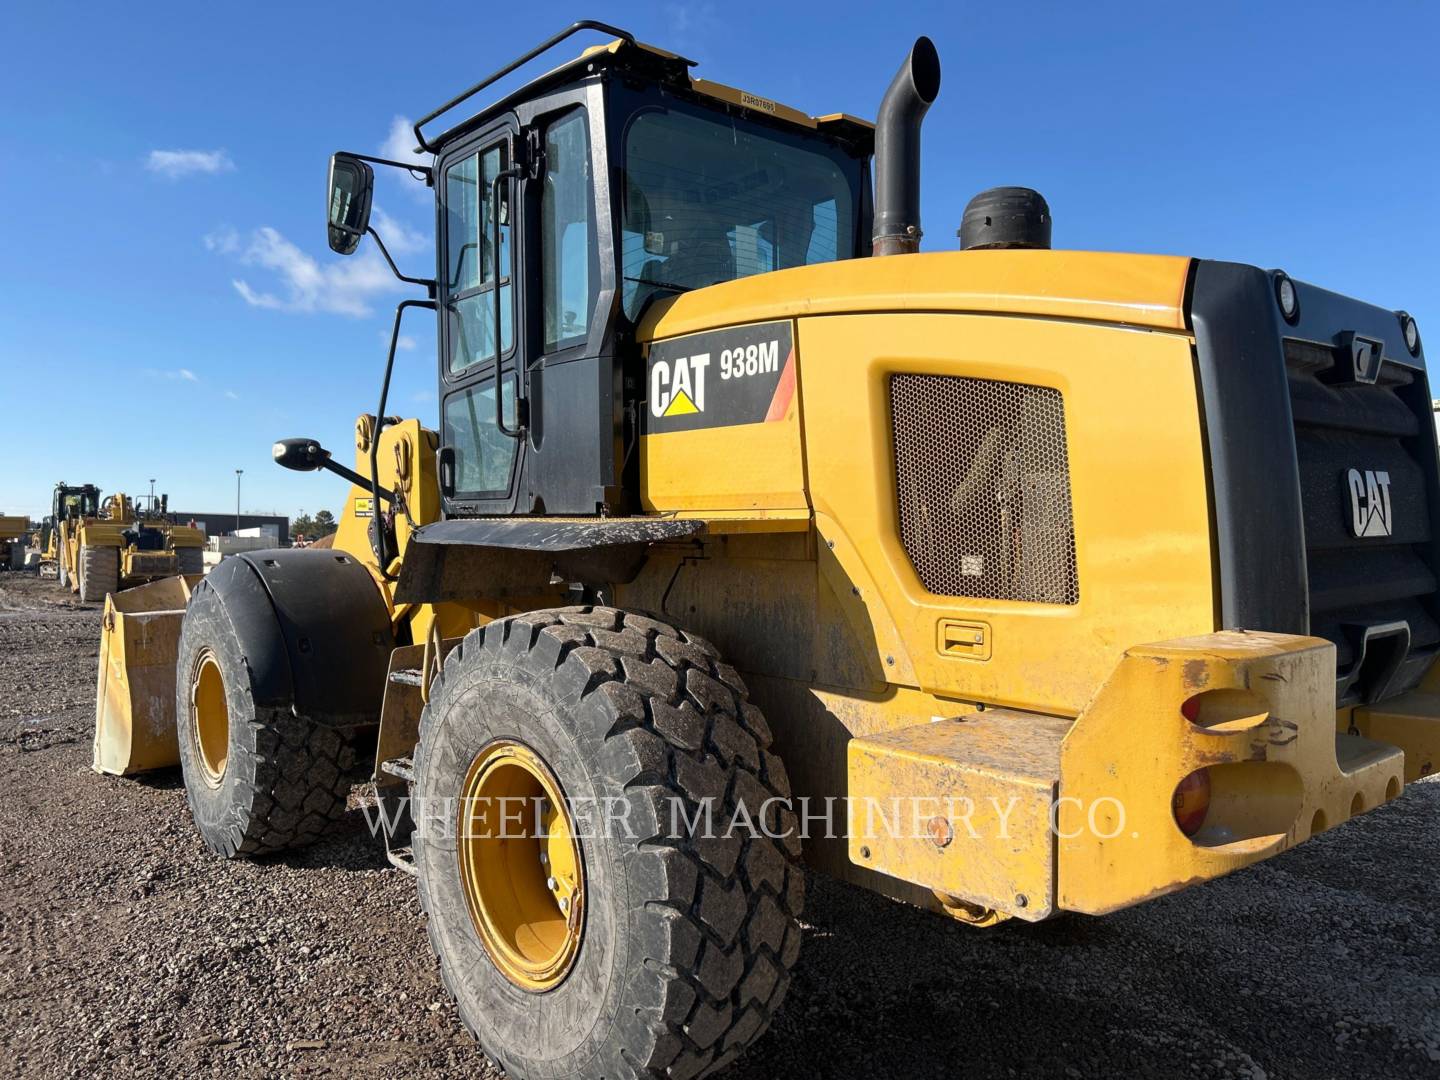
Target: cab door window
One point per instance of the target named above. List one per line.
(483, 455)
(469, 219)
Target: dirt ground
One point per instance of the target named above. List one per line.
(125, 948)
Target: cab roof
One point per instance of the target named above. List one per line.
(664, 67)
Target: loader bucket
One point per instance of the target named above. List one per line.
(135, 693)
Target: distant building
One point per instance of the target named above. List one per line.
(220, 523)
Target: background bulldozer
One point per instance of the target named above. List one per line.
(98, 547)
(1005, 581)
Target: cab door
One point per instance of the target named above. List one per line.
(480, 458)
(554, 448)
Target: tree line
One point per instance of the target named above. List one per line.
(312, 528)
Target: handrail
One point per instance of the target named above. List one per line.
(518, 430)
(574, 28)
(382, 554)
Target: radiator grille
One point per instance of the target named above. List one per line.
(1360, 583)
(983, 481)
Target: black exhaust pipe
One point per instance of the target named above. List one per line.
(897, 150)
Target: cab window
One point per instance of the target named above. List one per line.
(483, 455)
(565, 233)
(469, 284)
(709, 198)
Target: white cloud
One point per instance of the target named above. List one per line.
(400, 238)
(339, 287)
(225, 240)
(691, 27)
(399, 144)
(174, 164)
(175, 374)
(404, 343)
(232, 395)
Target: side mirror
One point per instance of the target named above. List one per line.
(352, 185)
(302, 455)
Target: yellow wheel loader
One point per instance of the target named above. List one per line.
(71, 504)
(14, 534)
(1006, 581)
(98, 547)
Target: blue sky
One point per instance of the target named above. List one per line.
(170, 306)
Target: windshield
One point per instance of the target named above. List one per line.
(709, 198)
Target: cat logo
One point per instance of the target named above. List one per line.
(1369, 502)
(720, 378)
(677, 387)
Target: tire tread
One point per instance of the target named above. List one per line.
(681, 727)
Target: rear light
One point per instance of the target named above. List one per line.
(1287, 297)
(1192, 801)
(1410, 331)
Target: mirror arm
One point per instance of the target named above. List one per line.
(426, 172)
(518, 431)
(381, 550)
(429, 283)
(330, 465)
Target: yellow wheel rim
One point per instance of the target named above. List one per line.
(210, 718)
(520, 866)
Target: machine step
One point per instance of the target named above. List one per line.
(403, 859)
(402, 767)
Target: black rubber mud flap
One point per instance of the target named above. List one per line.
(465, 558)
(314, 630)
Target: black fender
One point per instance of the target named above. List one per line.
(466, 558)
(313, 628)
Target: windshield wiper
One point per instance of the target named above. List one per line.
(660, 284)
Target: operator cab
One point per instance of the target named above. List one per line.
(612, 182)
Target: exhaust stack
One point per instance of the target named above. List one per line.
(897, 150)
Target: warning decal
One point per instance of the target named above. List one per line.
(720, 378)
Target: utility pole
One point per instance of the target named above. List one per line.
(152, 495)
(238, 473)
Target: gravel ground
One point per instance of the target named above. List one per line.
(125, 947)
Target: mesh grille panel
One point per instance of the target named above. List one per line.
(984, 486)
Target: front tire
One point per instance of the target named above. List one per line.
(687, 940)
(99, 573)
(259, 779)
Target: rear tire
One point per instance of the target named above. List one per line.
(259, 779)
(189, 561)
(99, 573)
(687, 941)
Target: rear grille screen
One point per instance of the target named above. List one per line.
(1362, 584)
(983, 481)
